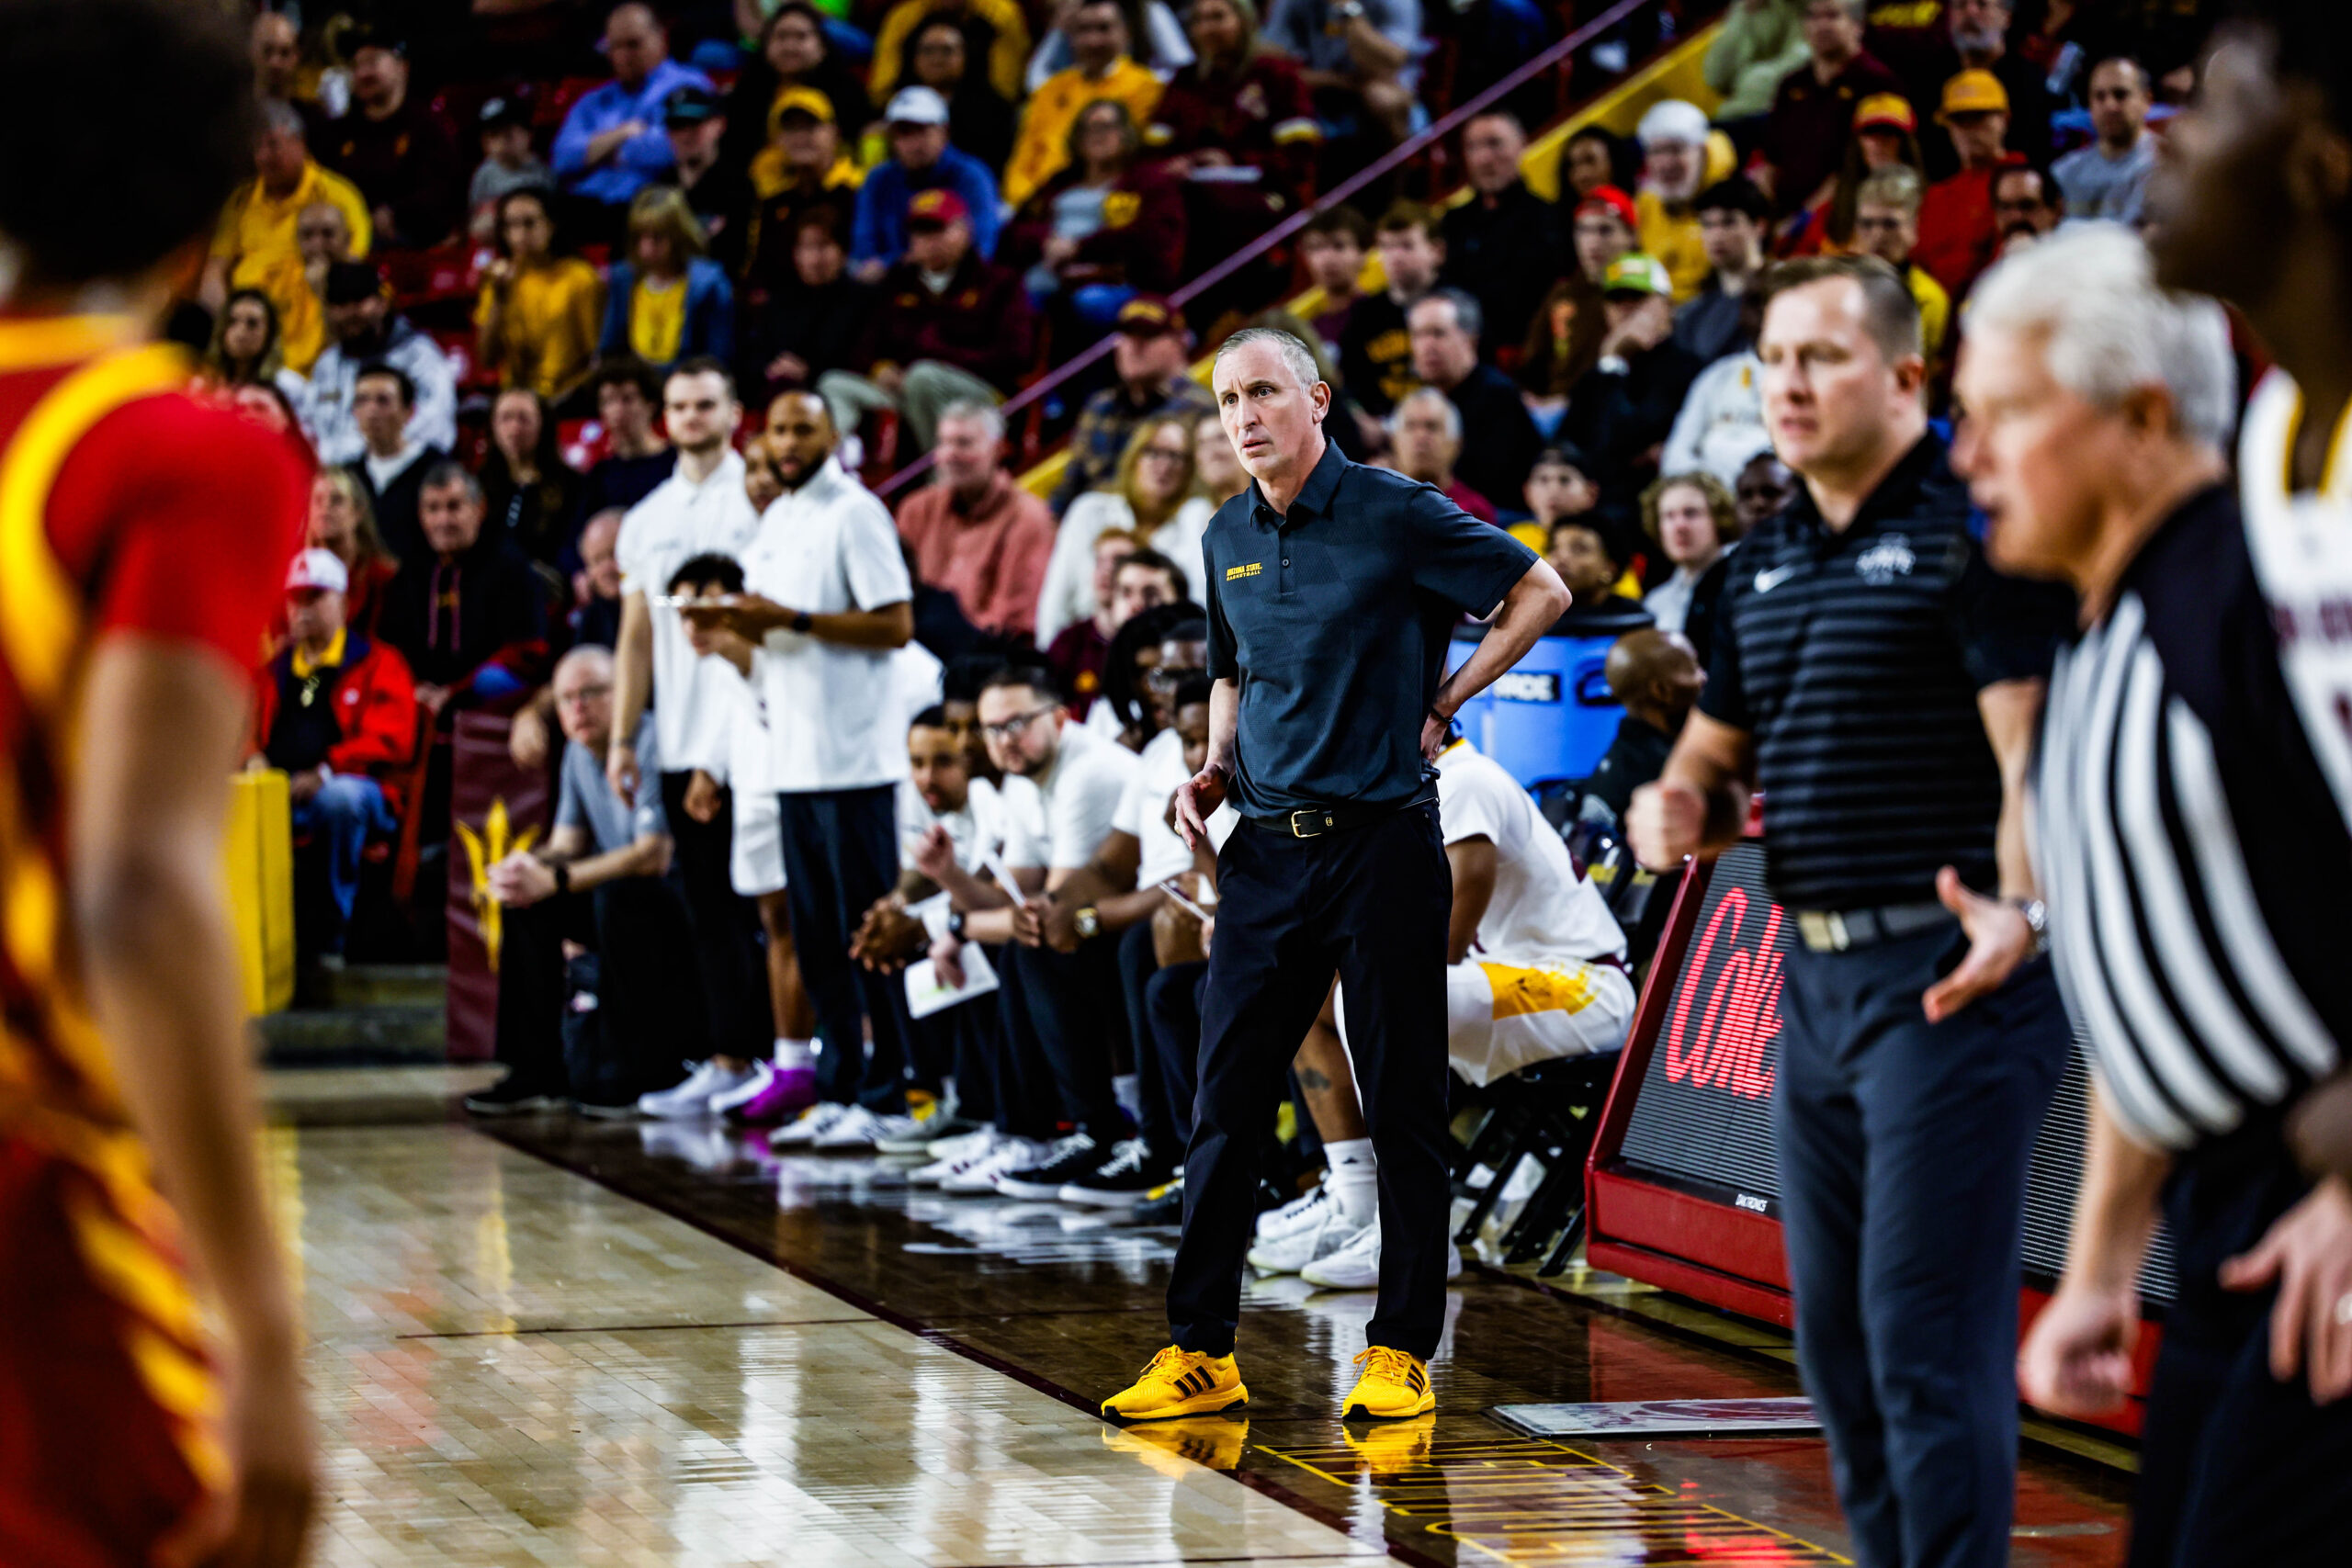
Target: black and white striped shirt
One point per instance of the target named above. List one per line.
(2191, 853)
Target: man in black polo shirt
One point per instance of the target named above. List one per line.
(1879, 683)
(1331, 589)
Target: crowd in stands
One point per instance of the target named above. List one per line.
(599, 355)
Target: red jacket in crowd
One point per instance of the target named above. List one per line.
(372, 697)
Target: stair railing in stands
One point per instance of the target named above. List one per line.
(1379, 167)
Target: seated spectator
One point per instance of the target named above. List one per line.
(531, 495)
(1152, 358)
(336, 711)
(1156, 647)
(1558, 486)
(1330, 251)
(1654, 677)
(508, 164)
(613, 144)
(1217, 473)
(1974, 36)
(1759, 44)
(365, 333)
(1623, 411)
(603, 1028)
(2109, 179)
(1239, 108)
(322, 238)
(1503, 246)
(399, 153)
(254, 246)
(922, 158)
(1425, 443)
(669, 301)
(1159, 41)
(1377, 349)
(806, 167)
(1104, 226)
(1731, 227)
(628, 397)
(1498, 440)
(343, 523)
(1693, 520)
(1077, 657)
(1957, 236)
(246, 349)
(993, 33)
(1765, 486)
(2026, 203)
(541, 308)
(1564, 340)
(718, 188)
(1594, 156)
(1884, 137)
(1150, 496)
(793, 53)
(1812, 110)
(1584, 550)
(1886, 225)
(1063, 1020)
(981, 118)
(1721, 424)
(278, 69)
(1359, 59)
(392, 462)
(596, 618)
(1103, 69)
(817, 323)
(1673, 135)
(950, 328)
(976, 533)
(467, 611)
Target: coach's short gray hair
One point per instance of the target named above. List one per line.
(1295, 354)
(1438, 399)
(2090, 292)
(974, 411)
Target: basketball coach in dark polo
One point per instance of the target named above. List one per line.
(1333, 592)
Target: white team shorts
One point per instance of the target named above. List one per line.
(755, 860)
(1503, 1013)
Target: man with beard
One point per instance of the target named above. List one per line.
(1674, 165)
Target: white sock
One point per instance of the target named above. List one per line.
(1128, 1090)
(791, 1054)
(1354, 1180)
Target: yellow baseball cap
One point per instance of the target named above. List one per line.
(1974, 92)
(801, 100)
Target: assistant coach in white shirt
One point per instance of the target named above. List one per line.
(701, 509)
(827, 595)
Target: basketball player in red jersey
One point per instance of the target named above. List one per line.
(142, 538)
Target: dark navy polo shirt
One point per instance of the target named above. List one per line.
(1334, 620)
(1854, 657)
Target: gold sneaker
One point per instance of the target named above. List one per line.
(1395, 1385)
(1393, 1448)
(1179, 1383)
(1171, 1447)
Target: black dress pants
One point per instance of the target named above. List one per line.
(646, 1017)
(840, 854)
(1064, 1022)
(1372, 903)
(726, 924)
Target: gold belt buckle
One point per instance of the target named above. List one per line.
(1311, 830)
(1825, 931)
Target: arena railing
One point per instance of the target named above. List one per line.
(1403, 153)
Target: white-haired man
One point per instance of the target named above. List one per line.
(1331, 590)
(1673, 135)
(2190, 852)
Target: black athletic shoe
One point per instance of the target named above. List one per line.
(623, 1112)
(1074, 1157)
(512, 1096)
(1125, 1180)
(1162, 1205)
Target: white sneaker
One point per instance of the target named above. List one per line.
(1289, 1253)
(811, 1122)
(967, 1152)
(1298, 1214)
(1356, 1265)
(860, 1129)
(751, 1087)
(1012, 1154)
(962, 1144)
(693, 1098)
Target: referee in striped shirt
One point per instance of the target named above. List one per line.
(2195, 866)
(1879, 684)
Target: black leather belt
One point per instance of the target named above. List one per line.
(1836, 930)
(1313, 821)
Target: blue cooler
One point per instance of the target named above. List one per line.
(1550, 716)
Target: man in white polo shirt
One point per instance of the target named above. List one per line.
(830, 602)
(700, 508)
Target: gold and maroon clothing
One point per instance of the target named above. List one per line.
(125, 507)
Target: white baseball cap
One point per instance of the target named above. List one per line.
(916, 106)
(1676, 119)
(316, 572)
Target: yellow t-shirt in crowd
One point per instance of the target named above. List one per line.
(1008, 56)
(1676, 242)
(554, 312)
(1043, 146)
(255, 236)
(656, 319)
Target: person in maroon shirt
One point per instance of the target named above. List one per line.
(402, 156)
(1238, 106)
(1813, 114)
(1137, 246)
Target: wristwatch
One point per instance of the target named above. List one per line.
(2037, 920)
(801, 621)
(955, 924)
(1087, 922)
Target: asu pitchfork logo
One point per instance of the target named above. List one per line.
(484, 849)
